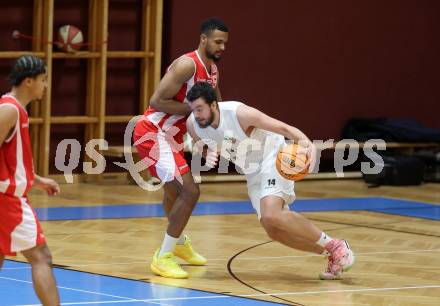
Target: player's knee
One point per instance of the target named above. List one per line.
(272, 232)
(191, 193)
(270, 220)
(270, 224)
(168, 198)
(41, 257)
(47, 259)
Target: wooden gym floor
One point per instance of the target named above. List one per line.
(397, 253)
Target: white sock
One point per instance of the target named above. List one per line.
(181, 239)
(324, 239)
(168, 244)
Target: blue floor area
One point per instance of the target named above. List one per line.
(382, 205)
(80, 288)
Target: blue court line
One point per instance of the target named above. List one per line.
(82, 287)
(374, 204)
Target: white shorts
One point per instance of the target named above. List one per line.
(267, 181)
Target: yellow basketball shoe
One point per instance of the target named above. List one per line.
(187, 253)
(167, 266)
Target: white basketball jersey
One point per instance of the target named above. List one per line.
(231, 141)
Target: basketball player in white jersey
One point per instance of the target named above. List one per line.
(20, 230)
(159, 140)
(217, 124)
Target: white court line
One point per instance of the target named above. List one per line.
(253, 295)
(238, 258)
(86, 303)
(242, 258)
(258, 258)
(126, 299)
(314, 255)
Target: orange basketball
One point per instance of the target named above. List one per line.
(290, 164)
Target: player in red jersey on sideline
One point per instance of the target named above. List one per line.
(20, 230)
(159, 140)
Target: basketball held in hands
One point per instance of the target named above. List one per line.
(291, 162)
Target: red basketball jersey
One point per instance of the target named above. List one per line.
(16, 166)
(155, 119)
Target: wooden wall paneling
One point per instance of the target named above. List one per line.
(152, 44)
(95, 117)
(37, 46)
(92, 65)
(44, 145)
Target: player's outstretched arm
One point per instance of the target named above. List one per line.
(8, 119)
(251, 117)
(162, 100)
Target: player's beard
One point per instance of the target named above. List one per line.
(211, 55)
(207, 122)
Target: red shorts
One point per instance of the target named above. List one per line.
(20, 229)
(163, 155)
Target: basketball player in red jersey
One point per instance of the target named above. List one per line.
(159, 140)
(20, 230)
